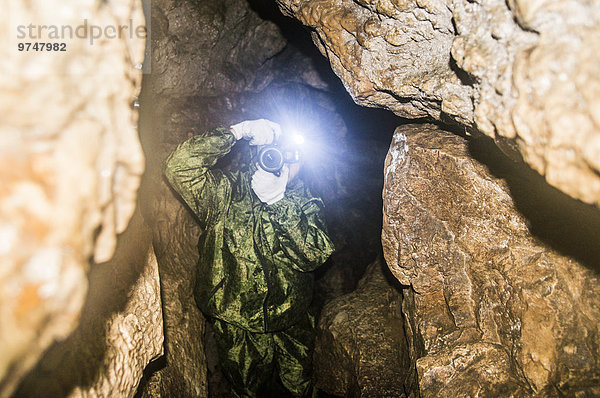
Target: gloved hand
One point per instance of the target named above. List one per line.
(268, 187)
(259, 132)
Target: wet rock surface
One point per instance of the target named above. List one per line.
(524, 73)
(493, 309)
(360, 348)
(70, 164)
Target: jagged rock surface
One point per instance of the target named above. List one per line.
(120, 330)
(70, 164)
(524, 73)
(360, 349)
(175, 237)
(493, 310)
(210, 49)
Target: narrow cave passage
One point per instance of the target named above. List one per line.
(269, 69)
(466, 257)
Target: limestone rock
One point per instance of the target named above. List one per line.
(70, 164)
(524, 73)
(360, 349)
(120, 330)
(183, 370)
(493, 310)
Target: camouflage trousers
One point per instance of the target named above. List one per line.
(249, 359)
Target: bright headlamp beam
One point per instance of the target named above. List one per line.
(298, 139)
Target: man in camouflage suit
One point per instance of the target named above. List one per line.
(263, 234)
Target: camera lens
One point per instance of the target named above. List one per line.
(270, 159)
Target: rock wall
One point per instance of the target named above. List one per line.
(120, 330)
(70, 164)
(524, 73)
(492, 310)
(210, 49)
(360, 348)
(182, 372)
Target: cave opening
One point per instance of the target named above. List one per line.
(466, 232)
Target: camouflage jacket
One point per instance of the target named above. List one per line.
(255, 259)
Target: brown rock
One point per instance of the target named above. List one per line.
(176, 232)
(494, 311)
(202, 49)
(70, 164)
(360, 349)
(524, 73)
(120, 330)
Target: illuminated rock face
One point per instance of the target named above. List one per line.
(360, 348)
(491, 310)
(120, 330)
(524, 73)
(70, 165)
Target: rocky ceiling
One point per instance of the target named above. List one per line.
(521, 72)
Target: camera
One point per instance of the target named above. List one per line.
(272, 157)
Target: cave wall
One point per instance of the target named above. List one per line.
(361, 348)
(119, 332)
(70, 164)
(492, 310)
(524, 73)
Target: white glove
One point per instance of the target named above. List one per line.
(268, 187)
(259, 132)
